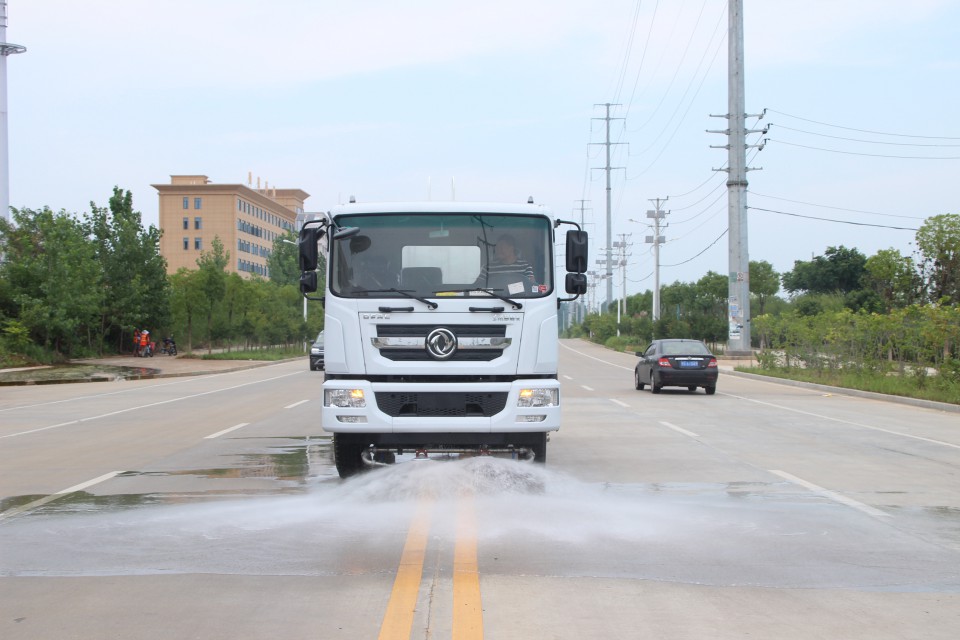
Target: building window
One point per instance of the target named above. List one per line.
(197, 202)
(186, 223)
(186, 202)
(198, 223)
(186, 244)
(198, 244)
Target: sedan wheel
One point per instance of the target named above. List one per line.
(654, 387)
(636, 380)
(710, 390)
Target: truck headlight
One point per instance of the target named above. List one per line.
(538, 398)
(344, 398)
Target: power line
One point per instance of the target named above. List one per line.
(629, 51)
(676, 72)
(856, 153)
(879, 133)
(685, 113)
(858, 224)
(826, 206)
(898, 144)
(701, 253)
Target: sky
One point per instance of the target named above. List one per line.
(501, 101)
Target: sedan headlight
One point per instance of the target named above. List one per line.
(344, 398)
(538, 398)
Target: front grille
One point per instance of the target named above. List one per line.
(441, 405)
(461, 355)
(467, 334)
(462, 330)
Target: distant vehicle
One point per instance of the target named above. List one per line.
(676, 363)
(316, 353)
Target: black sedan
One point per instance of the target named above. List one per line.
(316, 353)
(676, 363)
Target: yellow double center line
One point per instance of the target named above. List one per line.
(467, 609)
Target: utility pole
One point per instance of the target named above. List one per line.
(6, 49)
(582, 209)
(607, 168)
(592, 289)
(738, 337)
(656, 239)
(622, 263)
(582, 308)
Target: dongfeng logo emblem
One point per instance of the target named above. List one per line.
(441, 343)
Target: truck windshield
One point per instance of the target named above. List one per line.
(443, 255)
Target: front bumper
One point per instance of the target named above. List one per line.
(441, 408)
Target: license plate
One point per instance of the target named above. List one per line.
(689, 364)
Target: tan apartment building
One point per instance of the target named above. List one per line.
(194, 211)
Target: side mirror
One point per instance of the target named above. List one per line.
(309, 254)
(576, 283)
(308, 282)
(576, 252)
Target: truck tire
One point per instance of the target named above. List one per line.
(539, 448)
(347, 448)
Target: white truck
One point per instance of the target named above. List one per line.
(435, 339)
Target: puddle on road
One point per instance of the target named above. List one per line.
(74, 373)
(531, 520)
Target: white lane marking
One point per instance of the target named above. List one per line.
(567, 377)
(679, 429)
(42, 501)
(145, 406)
(847, 422)
(296, 404)
(622, 404)
(597, 359)
(586, 387)
(832, 495)
(220, 433)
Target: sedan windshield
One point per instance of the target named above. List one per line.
(434, 255)
(683, 348)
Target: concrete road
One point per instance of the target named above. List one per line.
(208, 507)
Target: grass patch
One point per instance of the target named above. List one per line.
(255, 354)
(920, 387)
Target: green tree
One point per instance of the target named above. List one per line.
(186, 301)
(135, 288)
(938, 241)
(283, 262)
(893, 277)
(839, 270)
(53, 277)
(212, 265)
(764, 283)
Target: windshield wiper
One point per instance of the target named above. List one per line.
(492, 292)
(403, 292)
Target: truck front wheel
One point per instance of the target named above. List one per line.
(347, 449)
(539, 447)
